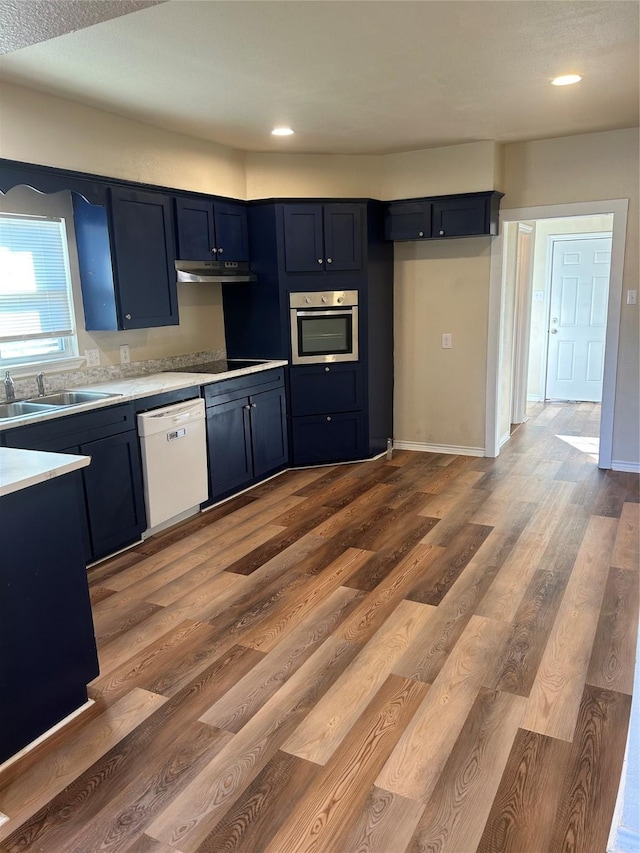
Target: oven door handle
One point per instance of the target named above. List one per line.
(346, 311)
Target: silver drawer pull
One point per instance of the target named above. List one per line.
(328, 417)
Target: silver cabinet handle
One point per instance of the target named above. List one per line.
(253, 405)
(220, 251)
(327, 369)
(127, 316)
(319, 260)
(441, 233)
(248, 406)
(213, 249)
(420, 233)
(328, 417)
(329, 260)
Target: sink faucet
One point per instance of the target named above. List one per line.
(41, 388)
(9, 388)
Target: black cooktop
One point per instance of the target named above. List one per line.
(222, 366)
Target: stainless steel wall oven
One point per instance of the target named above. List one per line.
(324, 326)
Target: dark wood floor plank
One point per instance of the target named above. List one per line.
(381, 564)
(588, 795)
(612, 662)
(525, 805)
(443, 572)
(258, 815)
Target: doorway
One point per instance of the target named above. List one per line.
(509, 325)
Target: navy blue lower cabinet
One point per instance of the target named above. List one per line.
(328, 438)
(47, 643)
(323, 388)
(229, 443)
(269, 432)
(113, 493)
(247, 440)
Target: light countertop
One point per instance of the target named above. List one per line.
(20, 469)
(135, 389)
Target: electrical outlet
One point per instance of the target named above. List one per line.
(93, 357)
(446, 341)
(124, 354)
(632, 297)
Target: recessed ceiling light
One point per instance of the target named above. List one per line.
(281, 131)
(566, 80)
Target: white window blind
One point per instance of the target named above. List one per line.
(34, 289)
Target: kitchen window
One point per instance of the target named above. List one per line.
(36, 305)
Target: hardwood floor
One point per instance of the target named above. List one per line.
(432, 653)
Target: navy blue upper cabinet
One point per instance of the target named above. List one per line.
(216, 230)
(440, 217)
(126, 253)
(323, 237)
(408, 220)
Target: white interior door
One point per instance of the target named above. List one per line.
(578, 318)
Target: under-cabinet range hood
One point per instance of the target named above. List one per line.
(214, 271)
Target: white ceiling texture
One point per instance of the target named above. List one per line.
(349, 76)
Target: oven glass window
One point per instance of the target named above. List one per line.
(325, 335)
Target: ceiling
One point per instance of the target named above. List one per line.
(349, 76)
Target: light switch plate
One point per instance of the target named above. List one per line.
(447, 342)
(124, 354)
(632, 297)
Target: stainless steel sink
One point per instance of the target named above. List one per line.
(49, 403)
(21, 409)
(71, 398)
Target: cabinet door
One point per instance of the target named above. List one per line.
(328, 438)
(269, 431)
(324, 388)
(343, 237)
(229, 444)
(303, 243)
(144, 252)
(460, 217)
(232, 239)
(196, 236)
(113, 490)
(408, 221)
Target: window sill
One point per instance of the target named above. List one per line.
(61, 365)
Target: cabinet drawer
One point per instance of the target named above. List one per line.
(241, 386)
(59, 434)
(321, 389)
(328, 438)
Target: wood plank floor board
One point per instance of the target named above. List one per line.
(203, 803)
(455, 815)
(385, 824)
(416, 763)
(328, 724)
(256, 817)
(492, 718)
(612, 664)
(524, 809)
(556, 692)
(322, 815)
(440, 576)
(588, 795)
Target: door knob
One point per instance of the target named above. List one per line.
(554, 331)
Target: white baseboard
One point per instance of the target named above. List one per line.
(437, 448)
(630, 467)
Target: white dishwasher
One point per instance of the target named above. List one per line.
(174, 462)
